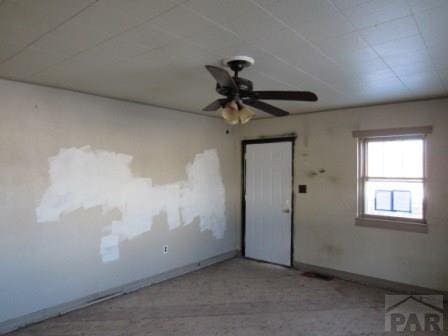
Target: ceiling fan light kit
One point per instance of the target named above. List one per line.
(236, 113)
(246, 115)
(230, 113)
(239, 93)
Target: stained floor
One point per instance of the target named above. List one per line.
(236, 297)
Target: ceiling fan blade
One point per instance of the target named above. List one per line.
(286, 95)
(275, 111)
(218, 103)
(221, 76)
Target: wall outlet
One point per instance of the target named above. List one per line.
(165, 249)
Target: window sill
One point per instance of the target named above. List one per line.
(391, 224)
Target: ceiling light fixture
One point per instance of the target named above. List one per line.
(230, 113)
(245, 114)
(236, 113)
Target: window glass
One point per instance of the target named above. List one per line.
(395, 158)
(397, 199)
(393, 185)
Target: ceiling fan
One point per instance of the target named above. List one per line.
(239, 93)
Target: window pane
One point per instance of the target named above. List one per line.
(402, 200)
(396, 199)
(395, 158)
(383, 200)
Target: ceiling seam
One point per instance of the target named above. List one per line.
(370, 46)
(436, 68)
(109, 39)
(49, 31)
(355, 6)
(382, 22)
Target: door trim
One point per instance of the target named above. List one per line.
(244, 144)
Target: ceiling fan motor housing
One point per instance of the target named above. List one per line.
(245, 86)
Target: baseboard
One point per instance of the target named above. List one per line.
(371, 281)
(38, 316)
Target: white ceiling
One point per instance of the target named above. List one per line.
(350, 52)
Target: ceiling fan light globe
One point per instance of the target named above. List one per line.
(230, 113)
(245, 115)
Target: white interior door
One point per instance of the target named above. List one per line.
(268, 170)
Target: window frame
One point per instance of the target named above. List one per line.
(381, 221)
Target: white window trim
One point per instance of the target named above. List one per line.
(389, 222)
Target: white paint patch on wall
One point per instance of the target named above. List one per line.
(86, 178)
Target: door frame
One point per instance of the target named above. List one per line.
(244, 143)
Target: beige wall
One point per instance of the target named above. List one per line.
(325, 234)
(46, 264)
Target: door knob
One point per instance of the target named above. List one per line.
(286, 210)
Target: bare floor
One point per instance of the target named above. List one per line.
(237, 297)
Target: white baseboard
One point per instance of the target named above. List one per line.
(38, 316)
(371, 281)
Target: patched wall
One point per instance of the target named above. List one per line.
(94, 189)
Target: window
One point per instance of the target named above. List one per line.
(392, 177)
